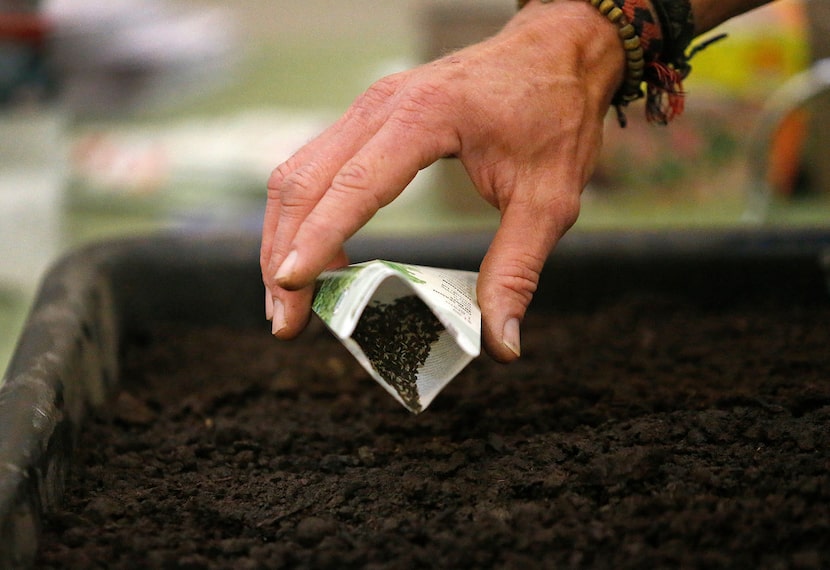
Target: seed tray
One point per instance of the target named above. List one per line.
(67, 359)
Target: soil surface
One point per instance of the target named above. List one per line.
(646, 433)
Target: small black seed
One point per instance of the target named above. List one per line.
(397, 339)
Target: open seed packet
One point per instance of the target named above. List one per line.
(412, 328)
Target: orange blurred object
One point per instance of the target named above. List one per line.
(786, 150)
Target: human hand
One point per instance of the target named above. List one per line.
(523, 111)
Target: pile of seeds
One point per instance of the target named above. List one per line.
(396, 339)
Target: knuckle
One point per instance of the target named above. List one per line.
(517, 279)
(276, 178)
(352, 185)
(425, 113)
(520, 279)
(381, 90)
(375, 97)
(554, 214)
(353, 177)
(420, 100)
(301, 189)
(565, 211)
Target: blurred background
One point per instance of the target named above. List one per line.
(135, 116)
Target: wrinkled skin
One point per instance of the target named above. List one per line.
(523, 111)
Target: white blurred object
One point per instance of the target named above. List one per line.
(210, 168)
(132, 54)
(220, 153)
(32, 178)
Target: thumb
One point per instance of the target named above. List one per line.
(509, 273)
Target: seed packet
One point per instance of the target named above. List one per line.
(412, 328)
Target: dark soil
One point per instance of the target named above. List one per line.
(648, 433)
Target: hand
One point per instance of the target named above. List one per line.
(523, 111)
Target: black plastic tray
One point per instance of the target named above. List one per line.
(67, 358)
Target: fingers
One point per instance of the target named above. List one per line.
(290, 310)
(510, 271)
(377, 173)
(296, 186)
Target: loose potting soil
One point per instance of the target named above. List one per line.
(643, 434)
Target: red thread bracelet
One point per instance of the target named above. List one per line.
(639, 27)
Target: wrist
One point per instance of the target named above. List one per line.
(654, 36)
(577, 27)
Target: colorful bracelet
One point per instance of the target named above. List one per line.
(655, 35)
(678, 26)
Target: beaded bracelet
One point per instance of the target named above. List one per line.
(655, 35)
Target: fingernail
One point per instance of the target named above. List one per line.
(511, 336)
(269, 305)
(287, 267)
(278, 323)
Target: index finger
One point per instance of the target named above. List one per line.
(306, 175)
(373, 178)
